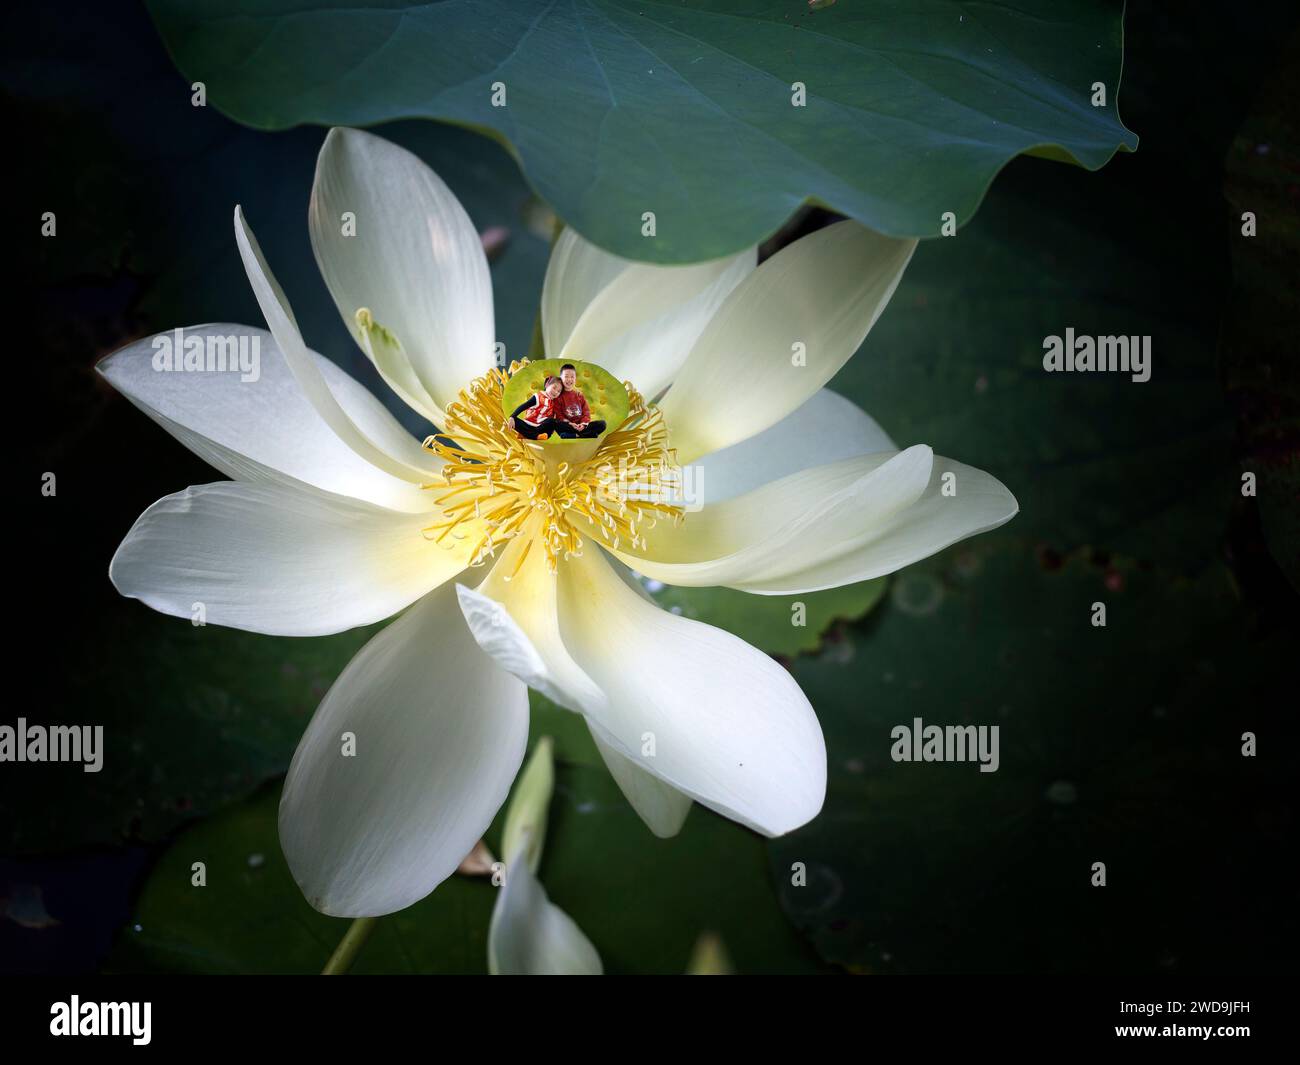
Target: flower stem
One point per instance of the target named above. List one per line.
(349, 946)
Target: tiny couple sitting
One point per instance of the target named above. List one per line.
(560, 409)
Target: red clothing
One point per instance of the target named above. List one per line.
(543, 408)
(573, 409)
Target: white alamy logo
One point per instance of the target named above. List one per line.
(208, 353)
(1087, 354)
(102, 1018)
(946, 743)
(55, 743)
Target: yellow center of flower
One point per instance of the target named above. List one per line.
(498, 486)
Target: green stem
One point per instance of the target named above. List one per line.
(349, 946)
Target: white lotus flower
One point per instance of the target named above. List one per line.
(331, 517)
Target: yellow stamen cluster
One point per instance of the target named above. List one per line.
(499, 485)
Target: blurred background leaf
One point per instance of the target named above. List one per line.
(616, 108)
(1119, 744)
(642, 901)
(1094, 459)
(768, 621)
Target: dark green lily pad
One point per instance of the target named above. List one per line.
(251, 917)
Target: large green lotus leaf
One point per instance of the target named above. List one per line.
(620, 107)
(1118, 744)
(642, 901)
(1098, 459)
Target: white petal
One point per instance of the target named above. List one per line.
(795, 523)
(412, 466)
(636, 320)
(415, 261)
(729, 726)
(265, 429)
(514, 618)
(271, 559)
(824, 291)
(575, 275)
(516, 621)
(933, 522)
(661, 806)
(439, 735)
(826, 429)
(531, 936)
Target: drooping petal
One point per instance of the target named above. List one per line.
(439, 733)
(514, 617)
(531, 936)
(796, 522)
(268, 558)
(264, 428)
(413, 465)
(825, 429)
(413, 259)
(781, 335)
(828, 526)
(516, 621)
(636, 320)
(661, 806)
(724, 723)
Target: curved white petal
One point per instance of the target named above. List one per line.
(265, 429)
(933, 522)
(290, 562)
(531, 936)
(728, 726)
(439, 735)
(515, 619)
(826, 429)
(828, 526)
(794, 523)
(636, 320)
(576, 274)
(412, 465)
(744, 373)
(661, 806)
(415, 261)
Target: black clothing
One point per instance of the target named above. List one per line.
(553, 426)
(549, 426)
